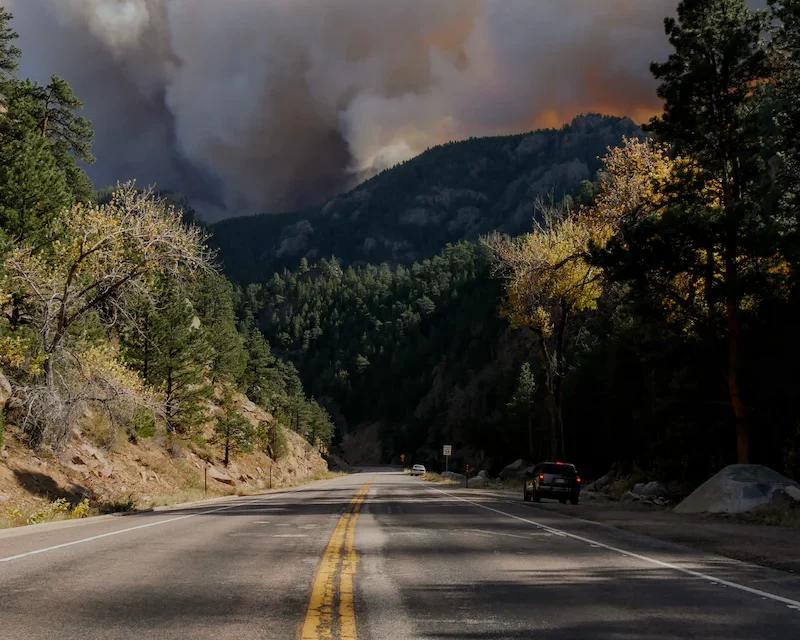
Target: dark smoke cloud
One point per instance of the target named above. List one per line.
(267, 105)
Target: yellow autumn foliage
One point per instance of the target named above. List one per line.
(548, 271)
(630, 185)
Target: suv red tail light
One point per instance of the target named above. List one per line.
(541, 476)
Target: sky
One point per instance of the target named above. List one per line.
(270, 105)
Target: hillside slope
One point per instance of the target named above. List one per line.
(121, 474)
(450, 192)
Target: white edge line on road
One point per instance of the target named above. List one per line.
(153, 524)
(111, 533)
(631, 554)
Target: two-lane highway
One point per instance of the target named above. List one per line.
(376, 555)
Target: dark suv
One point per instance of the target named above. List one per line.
(557, 480)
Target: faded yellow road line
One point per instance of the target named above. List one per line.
(338, 561)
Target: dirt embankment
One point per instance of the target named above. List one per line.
(120, 475)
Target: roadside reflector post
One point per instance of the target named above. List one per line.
(270, 475)
(205, 480)
(466, 478)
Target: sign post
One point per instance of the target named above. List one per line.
(402, 459)
(447, 451)
(466, 478)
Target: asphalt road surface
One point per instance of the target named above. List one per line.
(376, 555)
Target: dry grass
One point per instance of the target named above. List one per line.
(101, 432)
(782, 512)
(430, 476)
(624, 484)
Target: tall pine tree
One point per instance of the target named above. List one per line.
(180, 360)
(712, 252)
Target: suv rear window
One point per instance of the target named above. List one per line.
(560, 469)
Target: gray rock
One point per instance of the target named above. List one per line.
(655, 489)
(638, 488)
(478, 481)
(629, 496)
(738, 488)
(220, 476)
(793, 492)
(605, 481)
(516, 469)
(5, 390)
(452, 475)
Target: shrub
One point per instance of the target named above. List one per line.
(277, 442)
(101, 431)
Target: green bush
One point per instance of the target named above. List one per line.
(277, 442)
(143, 425)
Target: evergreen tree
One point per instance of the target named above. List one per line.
(522, 402)
(33, 190)
(9, 52)
(319, 426)
(261, 380)
(213, 299)
(714, 250)
(232, 429)
(786, 64)
(180, 360)
(50, 112)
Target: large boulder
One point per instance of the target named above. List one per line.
(654, 490)
(736, 489)
(480, 480)
(605, 481)
(452, 475)
(220, 476)
(516, 469)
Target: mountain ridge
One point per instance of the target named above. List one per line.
(450, 192)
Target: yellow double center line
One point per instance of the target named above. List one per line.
(338, 561)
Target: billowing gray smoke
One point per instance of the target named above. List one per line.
(265, 105)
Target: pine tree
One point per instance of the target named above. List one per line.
(213, 299)
(50, 112)
(232, 429)
(9, 52)
(179, 364)
(786, 64)
(522, 401)
(262, 380)
(33, 190)
(713, 251)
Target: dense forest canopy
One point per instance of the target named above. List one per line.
(451, 192)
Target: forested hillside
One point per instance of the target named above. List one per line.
(116, 323)
(647, 320)
(449, 193)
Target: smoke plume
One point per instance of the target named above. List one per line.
(267, 105)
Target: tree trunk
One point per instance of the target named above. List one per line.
(559, 392)
(530, 434)
(551, 399)
(227, 450)
(733, 312)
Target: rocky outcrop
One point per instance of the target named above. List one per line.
(5, 390)
(738, 488)
(516, 469)
(220, 476)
